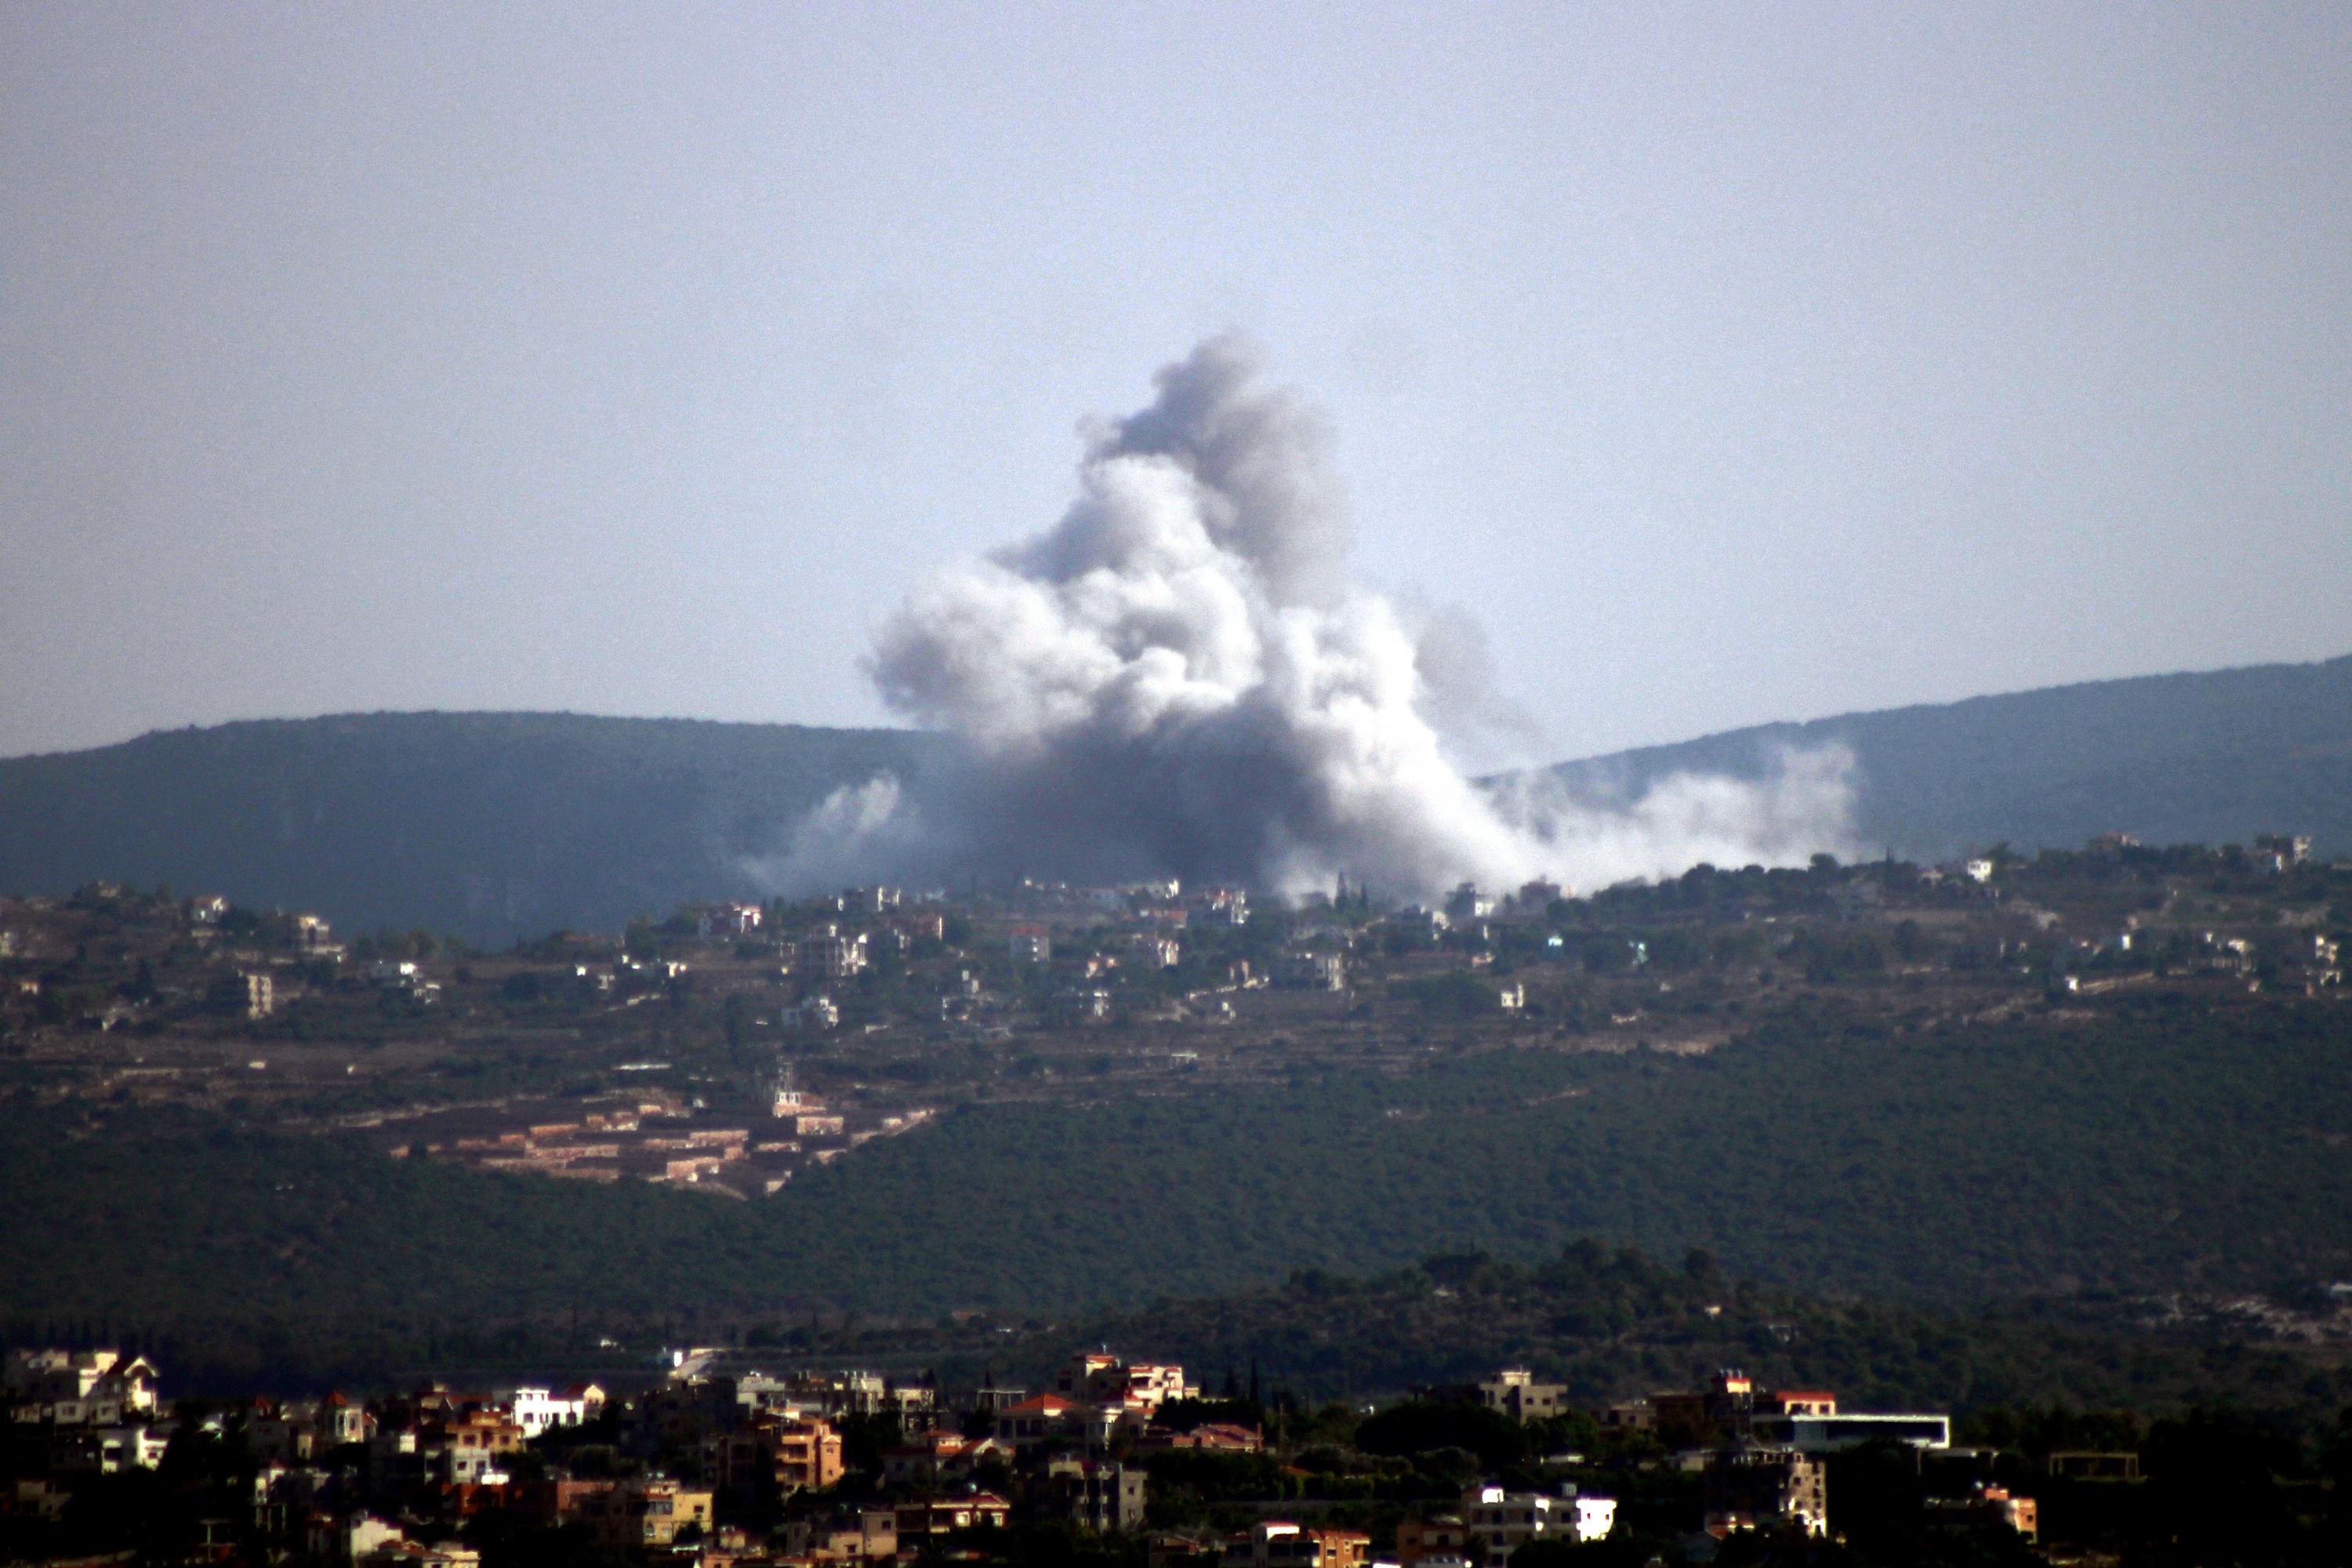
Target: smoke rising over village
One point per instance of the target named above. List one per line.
(1180, 677)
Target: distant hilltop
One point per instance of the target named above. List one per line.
(2210, 758)
(493, 825)
(486, 826)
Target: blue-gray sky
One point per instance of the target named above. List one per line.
(1726, 362)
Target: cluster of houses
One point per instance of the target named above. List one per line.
(677, 1469)
(654, 1135)
(395, 1480)
(99, 1407)
(1764, 1454)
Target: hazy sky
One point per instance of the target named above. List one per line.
(1728, 362)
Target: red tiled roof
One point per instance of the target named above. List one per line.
(1042, 1404)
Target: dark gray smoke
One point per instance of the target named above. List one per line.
(1179, 678)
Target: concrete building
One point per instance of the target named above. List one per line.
(1035, 1419)
(1497, 1521)
(777, 1456)
(1749, 1487)
(832, 952)
(942, 1515)
(1279, 1543)
(539, 1410)
(1316, 970)
(1096, 1494)
(1438, 1541)
(727, 919)
(869, 1536)
(1515, 1391)
(1098, 1377)
(1833, 1432)
(650, 1510)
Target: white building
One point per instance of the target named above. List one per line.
(1499, 1522)
(539, 1410)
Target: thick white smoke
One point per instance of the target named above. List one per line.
(1178, 677)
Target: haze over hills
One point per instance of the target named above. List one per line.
(2208, 757)
(492, 826)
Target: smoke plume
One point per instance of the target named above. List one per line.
(1178, 677)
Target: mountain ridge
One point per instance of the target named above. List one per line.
(498, 824)
(2252, 749)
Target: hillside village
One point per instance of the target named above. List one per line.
(728, 1049)
(728, 1046)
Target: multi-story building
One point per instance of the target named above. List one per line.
(727, 919)
(1316, 971)
(930, 1458)
(1994, 1506)
(1438, 1541)
(777, 1456)
(75, 1388)
(1035, 1420)
(870, 1536)
(1467, 903)
(1498, 1522)
(833, 953)
(538, 1410)
(1101, 1378)
(650, 1510)
(1750, 1487)
(942, 1516)
(1515, 1391)
(1279, 1543)
(1096, 1494)
(1797, 1402)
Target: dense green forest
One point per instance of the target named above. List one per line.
(1609, 1322)
(2158, 1148)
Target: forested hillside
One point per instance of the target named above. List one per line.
(2180, 1145)
(2210, 758)
(1612, 1323)
(488, 826)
